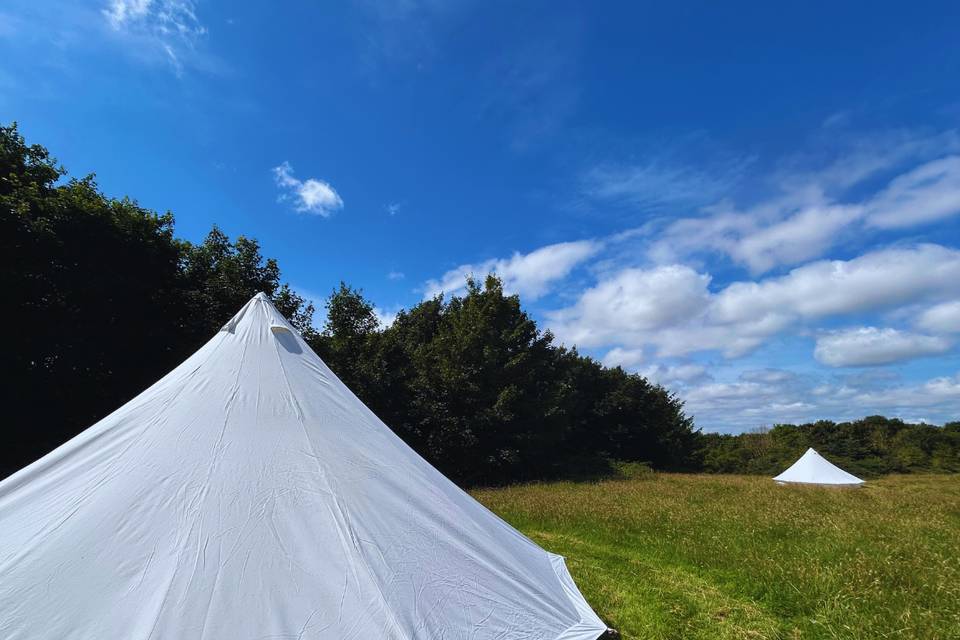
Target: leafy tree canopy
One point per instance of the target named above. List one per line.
(107, 300)
(481, 392)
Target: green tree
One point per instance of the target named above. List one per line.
(479, 390)
(104, 299)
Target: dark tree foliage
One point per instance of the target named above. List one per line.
(478, 390)
(101, 299)
(868, 447)
(104, 300)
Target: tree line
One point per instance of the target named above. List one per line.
(868, 447)
(476, 387)
(102, 299)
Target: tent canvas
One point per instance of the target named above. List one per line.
(812, 468)
(249, 494)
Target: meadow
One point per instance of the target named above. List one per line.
(720, 556)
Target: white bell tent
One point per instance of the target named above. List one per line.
(812, 468)
(249, 494)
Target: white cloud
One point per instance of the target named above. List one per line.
(384, 317)
(870, 346)
(746, 403)
(393, 208)
(631, 304)
(121, 12)
(943, 391)
(768, 375)
(725, 392)
(867, 156)
(530, 274)
(672, 308)
(806, 215)
(786, 230)
(644, 315)
(804, 235)
(929, 192)
(750, 402)
(672, 375)
(883, 278)
(310, 195)
(685, 170)
(941, 318)
(626, 358)
(168, 26)
(656, 300)
(395, 275)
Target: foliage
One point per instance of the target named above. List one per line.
(103, 299)
(691, 556)
(482, 393)
(868, 447)
(106, 300)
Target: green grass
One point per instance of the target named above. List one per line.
(698, 556)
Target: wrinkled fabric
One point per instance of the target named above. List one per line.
(812, 468)
(250, 495)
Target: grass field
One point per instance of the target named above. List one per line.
(697, 556)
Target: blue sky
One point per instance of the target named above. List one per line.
(756, 205)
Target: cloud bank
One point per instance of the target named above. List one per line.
(530, 274)
(836, 275)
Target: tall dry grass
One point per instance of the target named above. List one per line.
(698, 556)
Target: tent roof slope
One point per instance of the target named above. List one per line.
(249, 494)
(812, 468)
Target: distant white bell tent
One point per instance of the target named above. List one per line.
(249, 494)
(812, 468)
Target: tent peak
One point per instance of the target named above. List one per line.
(258, 311)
